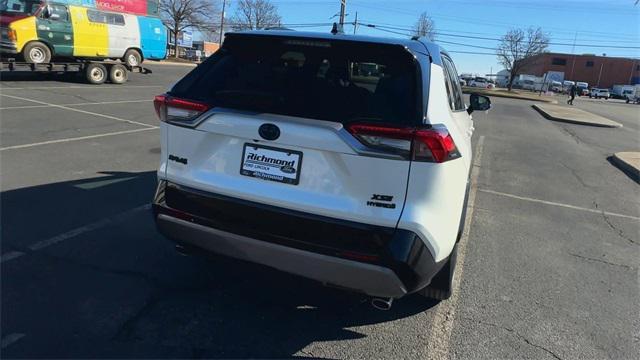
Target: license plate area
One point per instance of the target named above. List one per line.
(271, 163)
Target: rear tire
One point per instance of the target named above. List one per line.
(118, 74)
(36, 53)
(96, 73)
(441, 285)
(132, 58)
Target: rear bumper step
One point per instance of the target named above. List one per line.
(372, 280)
(378, 261)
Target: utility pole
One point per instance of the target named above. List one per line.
(224, 4)
(600, 74)
(343, 9)
(573, 51)
(355, 24)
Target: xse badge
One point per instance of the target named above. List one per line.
(377, 201)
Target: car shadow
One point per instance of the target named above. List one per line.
(196, 306)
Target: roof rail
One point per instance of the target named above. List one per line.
(278, 28)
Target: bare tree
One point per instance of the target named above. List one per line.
(179, 15)
(517, 48)
(255, 14)
(425, 26)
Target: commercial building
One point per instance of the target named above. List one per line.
(597, 71)
(206, 48)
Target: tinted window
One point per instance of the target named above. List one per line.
(559, 61)
(115, 19)
(329, 80)
(59, 10)
(105, 18)
(97, 16)
(458, 100)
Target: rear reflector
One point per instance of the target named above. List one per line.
(178, 111)
(430, 145)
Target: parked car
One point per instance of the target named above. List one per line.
(479, 82)
(556, 86)
(356, 184)
(599, 93)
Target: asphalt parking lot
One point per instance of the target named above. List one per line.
(549, 268)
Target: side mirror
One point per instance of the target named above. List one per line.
(478, 102)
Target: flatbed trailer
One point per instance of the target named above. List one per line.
(94, 72)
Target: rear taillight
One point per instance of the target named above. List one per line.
(178, 111)
(431, 145)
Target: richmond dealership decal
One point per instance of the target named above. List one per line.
(271, 164)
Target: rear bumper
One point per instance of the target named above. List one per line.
(371, 279)
(374, 260)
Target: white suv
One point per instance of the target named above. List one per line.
(599, 93)
(284, 148)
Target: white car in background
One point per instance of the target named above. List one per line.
(479, 82)
(599, 93)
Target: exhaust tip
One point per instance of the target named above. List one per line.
(382, 303)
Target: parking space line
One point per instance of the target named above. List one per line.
(10, 339)
(444, 316)
(78, 104)
(81, 230)
(10, 255)
(103, 87)
(76, 138)
(539, 201)
(77, 110)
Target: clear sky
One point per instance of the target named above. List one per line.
(595, 23)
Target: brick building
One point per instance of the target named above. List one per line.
(598, 71)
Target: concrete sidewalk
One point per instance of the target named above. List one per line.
(574, 116)
(629, 162)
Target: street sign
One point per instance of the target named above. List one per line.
(185, 39)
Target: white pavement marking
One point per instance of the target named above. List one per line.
(78, 231)
(78, 110)
(102, 87)
(443, 318)
(10, 339)
(89, 227)
(100, 183)
(76, 138)
(78, 104)
(524, 198)
(10, 255)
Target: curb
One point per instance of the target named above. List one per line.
(618, 159)
(544, 113)
(507, 96)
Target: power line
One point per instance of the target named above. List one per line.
(477, 21)
(496, 39)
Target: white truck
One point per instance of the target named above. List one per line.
(633, 96)
(625, 91)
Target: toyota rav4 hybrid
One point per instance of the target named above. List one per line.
(286, 149)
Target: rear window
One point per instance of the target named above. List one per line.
(328, 80)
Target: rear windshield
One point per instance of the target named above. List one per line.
(329, 80)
